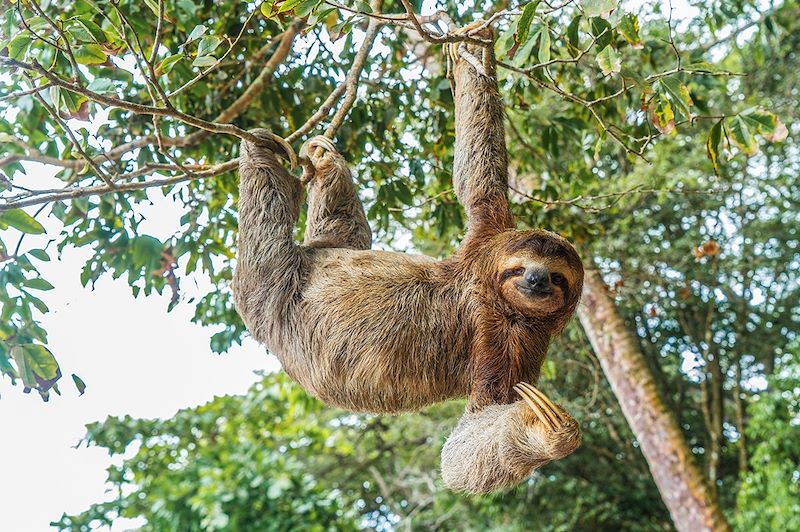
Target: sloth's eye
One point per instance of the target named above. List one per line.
(557, 278)
(513, 272)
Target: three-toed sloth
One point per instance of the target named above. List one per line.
(379, 331)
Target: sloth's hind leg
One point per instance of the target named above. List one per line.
(500, 445)
(336, 217)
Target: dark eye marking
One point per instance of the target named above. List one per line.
(557, 279)
(513, 272)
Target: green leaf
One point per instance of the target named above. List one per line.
(288, 5)
(18, 46)
(602, 32)
(94, 31)
(629, 28)
(712, 145)
(609, 60)
(766, 124)
(664, 116)
(742, 135)
(363, 7)
(168, 63)
(679, 94)
(40, 254)
(152, 5)
(598, 8)
(90, 54)
(573, 35)
(147, 252)
(79, 384)
(38, 284)
(37, 366)
(21, 220)
(196, 33)
(102, 86)
(41, 361)
(204, 61)
(24, 370)
(544, 44)
(208, 44)
(703, 66)
(524, 24)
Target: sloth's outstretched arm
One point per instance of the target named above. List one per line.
(480, 170)
(500, 445)
(336, 217)
(269, 263)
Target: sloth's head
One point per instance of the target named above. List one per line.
(540, 275)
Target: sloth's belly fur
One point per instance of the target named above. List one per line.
(373, 332)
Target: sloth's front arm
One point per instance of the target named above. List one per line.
(498, 443)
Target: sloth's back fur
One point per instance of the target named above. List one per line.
(366, 330)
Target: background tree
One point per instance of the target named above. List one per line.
(619, 125)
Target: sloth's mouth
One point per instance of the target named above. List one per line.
(539, 293)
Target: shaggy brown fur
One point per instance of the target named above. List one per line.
(379, 331)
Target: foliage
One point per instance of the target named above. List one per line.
(276, 459)
(769, 498)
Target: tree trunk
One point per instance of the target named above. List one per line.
(683, 488)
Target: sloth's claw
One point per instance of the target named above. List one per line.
(547, 413)
(558, 412)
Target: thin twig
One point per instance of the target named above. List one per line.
(73, 193)
(354, 74)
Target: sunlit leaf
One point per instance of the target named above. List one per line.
(609, 60)
(90, 54)
(544, 44)
(742, 136)
(21, 220)
(679, 95)
(629, 28)
(598, 8)
(168, 63)
(767, 124)
(664, 116)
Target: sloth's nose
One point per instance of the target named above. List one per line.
(538, 278)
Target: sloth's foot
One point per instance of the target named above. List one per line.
(551, 430)
(313, 152)
(476, 55)
(316, 147)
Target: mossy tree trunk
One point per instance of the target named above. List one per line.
(684, 489)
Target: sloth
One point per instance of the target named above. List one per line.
(387, 332)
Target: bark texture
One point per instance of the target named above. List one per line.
(683, 488)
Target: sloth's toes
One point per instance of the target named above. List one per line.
(316, 147)
(557, 434)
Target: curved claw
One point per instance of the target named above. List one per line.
(548, 413)
(266, 134)
(552, 407)
(290, 154)
(538, 408)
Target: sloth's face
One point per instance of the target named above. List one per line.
(540, 275)
(535, 285)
